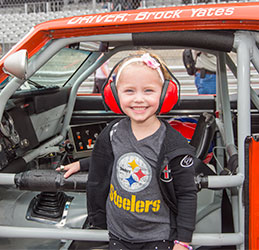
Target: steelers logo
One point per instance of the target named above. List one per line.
(133, 172)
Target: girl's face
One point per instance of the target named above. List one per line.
(139, 90)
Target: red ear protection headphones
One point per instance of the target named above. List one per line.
(168, 98)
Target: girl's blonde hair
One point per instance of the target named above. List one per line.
(139, 54)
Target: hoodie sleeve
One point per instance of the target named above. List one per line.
(100, 168)
(85, 164)
(183, 173)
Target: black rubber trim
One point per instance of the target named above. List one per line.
(213, 40)
(94, 102)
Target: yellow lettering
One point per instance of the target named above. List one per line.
(133, 203)
(126, 204)
(119, 201)
(115, 196)
(148, 203)
(111, 192)
(156, 206)
(140, 205)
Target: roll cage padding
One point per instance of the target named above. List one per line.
(49, 180)
(213, 40)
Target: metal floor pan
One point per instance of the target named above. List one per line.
(13, 210)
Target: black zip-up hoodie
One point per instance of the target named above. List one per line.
(179, 193)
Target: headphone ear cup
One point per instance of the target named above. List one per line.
(110, 97)
(170, 97)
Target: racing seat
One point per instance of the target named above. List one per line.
(202, 139)
(203, 135)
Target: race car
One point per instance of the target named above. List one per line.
(46, 122)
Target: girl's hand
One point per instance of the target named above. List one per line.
(70, 169)
(183, 246)
(179, 247)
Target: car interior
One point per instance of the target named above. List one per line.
(46, 123)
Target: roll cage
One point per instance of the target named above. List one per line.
(216, 29)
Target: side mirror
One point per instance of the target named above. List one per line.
(17, 64)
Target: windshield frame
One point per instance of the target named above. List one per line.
(60, 68)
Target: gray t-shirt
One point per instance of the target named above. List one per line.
(135, 208)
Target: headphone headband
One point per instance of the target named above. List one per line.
(147, 59)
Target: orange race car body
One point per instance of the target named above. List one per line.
(43, 118)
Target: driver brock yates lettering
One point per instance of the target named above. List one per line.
(174, 14)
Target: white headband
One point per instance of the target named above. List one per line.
(145, 58)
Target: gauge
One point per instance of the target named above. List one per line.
(4, 127)
(7, 125)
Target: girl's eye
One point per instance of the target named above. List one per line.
(129, 90)
(149, 90)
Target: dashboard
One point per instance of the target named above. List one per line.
(29, 119)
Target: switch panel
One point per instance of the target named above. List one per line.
(83, 137)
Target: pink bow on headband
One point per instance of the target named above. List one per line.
(150, 61)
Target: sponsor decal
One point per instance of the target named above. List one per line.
(166, 174)
(186, 162)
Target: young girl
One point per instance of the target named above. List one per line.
(141, 176)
